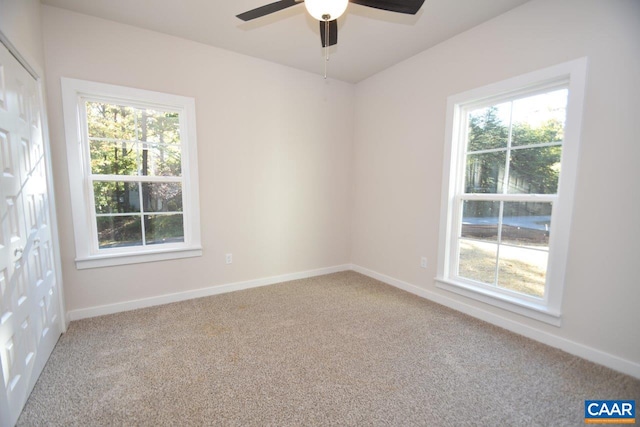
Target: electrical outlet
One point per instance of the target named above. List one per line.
(423, 262)
(228, 258)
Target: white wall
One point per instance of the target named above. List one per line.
(398, 156)
(20, 22)
(274, 145)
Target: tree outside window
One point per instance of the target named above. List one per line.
(136, 174)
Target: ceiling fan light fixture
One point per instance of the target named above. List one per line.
(326, 10)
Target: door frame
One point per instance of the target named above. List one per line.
(37, 73)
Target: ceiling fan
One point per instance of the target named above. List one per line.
(328, 11)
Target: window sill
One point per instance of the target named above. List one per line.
(124, 258)
(525, 308)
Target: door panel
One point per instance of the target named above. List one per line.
(29, 316)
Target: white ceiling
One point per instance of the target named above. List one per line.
(369, 40)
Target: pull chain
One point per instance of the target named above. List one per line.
(326, 43)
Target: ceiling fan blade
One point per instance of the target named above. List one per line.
(333, 33)
(410, 7)
(267, 9)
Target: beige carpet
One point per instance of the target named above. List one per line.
(341, 349)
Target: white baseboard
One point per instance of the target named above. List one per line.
(594, 355)
(611, 361)
(197, 293)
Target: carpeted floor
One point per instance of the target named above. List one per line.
(341, 349)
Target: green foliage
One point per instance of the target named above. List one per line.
(119, 231)
(163, 228)
(129, 141)
(486, 130)
(116, 197)
(550, 131)
(531, 170)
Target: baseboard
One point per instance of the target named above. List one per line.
(594, 355)
(577, 349)
(197, 293)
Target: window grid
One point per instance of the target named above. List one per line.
(138, 177)
(502, 196)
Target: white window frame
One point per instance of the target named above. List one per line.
(549, 308)
(74, 95)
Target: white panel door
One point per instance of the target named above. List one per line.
(29, 308)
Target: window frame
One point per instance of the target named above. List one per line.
(75, 93)
(571, 75)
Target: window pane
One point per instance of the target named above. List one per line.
(163, 229)
(522, 270)
(526, 224)
(116, 231)
(534, 170)
(480, 220)
(113, 158)
(540, 118)
(162, 196)
(477, 261)
(485, 172)
(159, 126)
(111, 121)
(116, 197)
(489, 127)
(162, 160)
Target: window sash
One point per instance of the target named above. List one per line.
(456, 236)
(141, 213)
(135, 178)
(516, 147)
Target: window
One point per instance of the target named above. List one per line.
(507, 202)
(133, 174)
